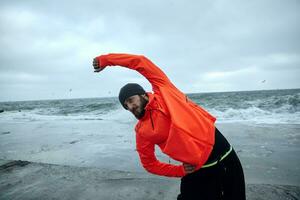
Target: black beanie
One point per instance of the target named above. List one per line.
(129, 90)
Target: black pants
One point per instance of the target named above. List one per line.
(223, 181)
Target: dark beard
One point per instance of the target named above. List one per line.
(143, 105)
(140, 115)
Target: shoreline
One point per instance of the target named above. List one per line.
(95, 160)
(268, 153)
(28, 180)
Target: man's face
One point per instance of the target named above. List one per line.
(136, 105)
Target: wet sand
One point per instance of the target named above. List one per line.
(46, 181)
(95, 160)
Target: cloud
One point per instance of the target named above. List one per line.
(201, 45)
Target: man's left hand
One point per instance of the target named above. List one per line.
(188, 168)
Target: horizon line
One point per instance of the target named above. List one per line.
(189, 93)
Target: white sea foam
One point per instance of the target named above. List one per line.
(256, 115)
(272, 107)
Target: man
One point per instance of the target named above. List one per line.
(183, 130)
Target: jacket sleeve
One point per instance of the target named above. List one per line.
(148, 159)
(140, 63)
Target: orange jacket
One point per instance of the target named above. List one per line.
(183, 130)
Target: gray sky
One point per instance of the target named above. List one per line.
(47, 47)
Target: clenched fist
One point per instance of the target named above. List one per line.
(96, 65)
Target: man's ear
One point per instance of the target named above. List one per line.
(145, 96)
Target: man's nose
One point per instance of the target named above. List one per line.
(130, 107)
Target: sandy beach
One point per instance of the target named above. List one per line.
(83, 160)
(46, 181)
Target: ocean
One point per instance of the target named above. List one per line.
(260, 107)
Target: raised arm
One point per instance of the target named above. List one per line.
(140, 63)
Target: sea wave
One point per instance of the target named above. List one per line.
(280, 106)
(275, 106)
(256, 115)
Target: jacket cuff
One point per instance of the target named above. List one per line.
(102, 60)
(182, 172)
